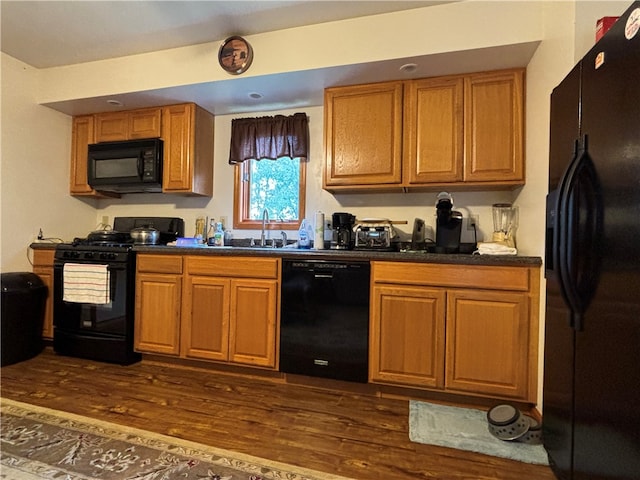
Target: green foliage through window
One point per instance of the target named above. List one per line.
(275, 185)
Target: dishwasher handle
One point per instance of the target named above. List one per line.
(323, 275)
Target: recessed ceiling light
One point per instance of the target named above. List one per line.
(115, 103)
(408, 68)
(255, 95)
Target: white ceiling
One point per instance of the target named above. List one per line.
(53, 33)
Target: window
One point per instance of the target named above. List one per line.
(269, 154)
(277, 186)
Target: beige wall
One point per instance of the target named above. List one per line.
(35, 152)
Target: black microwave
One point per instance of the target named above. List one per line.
(133, 166)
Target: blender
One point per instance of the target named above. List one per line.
(504, 219)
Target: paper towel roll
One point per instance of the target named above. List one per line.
(318, 236)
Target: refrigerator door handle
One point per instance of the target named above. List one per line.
(559, 222)
(580, 211)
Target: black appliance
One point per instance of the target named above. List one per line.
(324, 326)
(591, 426)
(448, 225)
(103, 264)
(342, 224)
(126, 167)
(22, 307)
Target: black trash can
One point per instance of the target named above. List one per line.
(23, 304)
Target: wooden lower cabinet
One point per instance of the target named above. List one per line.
(158, 299)
(407, 335)
(230, 309)
(208, 308)
(43, 267)
(205, 331)
(252, 327)
(487, 343)
(454, 328)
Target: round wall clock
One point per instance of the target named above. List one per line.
(235, 55)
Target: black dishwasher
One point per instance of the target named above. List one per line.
(324, 326)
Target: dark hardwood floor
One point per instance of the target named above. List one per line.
(346, 433)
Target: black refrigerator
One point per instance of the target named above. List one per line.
(591, 397)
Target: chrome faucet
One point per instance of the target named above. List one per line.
(265, 220)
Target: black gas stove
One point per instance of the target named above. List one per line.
(94, 290)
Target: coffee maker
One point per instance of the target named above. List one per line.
(448, 225)
(342, 231)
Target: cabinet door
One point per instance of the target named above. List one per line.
(487, 342)
(407, 336)
(112, 126)
(252, 333)
(43, 267)
(144, 123)
(177, 133)
(205, 326)
(363, 135)
(494, 105)
(433, 130)
(157, 313)
(81, 136)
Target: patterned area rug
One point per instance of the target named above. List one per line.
(41, 443)
(465, 429)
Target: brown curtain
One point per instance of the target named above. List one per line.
(269, 137)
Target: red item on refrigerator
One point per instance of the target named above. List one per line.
(603, 25)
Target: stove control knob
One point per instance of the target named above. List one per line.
(88, 255)
(75, 255)
(103, 256)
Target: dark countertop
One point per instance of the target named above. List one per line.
(422, 257)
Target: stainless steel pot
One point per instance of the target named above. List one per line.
(145, 235)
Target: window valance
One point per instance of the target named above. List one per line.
(269, 137)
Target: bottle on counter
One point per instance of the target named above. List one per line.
(201, 229)
(218, 236)
(304, 235)
(211, 233)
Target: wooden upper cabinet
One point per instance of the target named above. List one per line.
(433, 130)
(145, 123)
(494, 127)
(82, 134)
(128, 125)
(363, 135)
(426, 134)
(187, 132)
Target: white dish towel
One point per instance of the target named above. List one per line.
(86, 283)
(489, 248)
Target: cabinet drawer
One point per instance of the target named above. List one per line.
(159, 263)
(474, 276)
(43, 258)
(247, 267)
